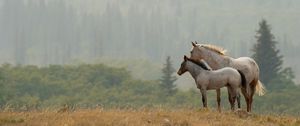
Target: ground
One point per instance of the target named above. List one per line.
(144, 117)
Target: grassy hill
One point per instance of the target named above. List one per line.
(139, 117)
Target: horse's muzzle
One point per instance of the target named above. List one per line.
(179, 73)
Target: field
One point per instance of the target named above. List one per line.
(140, 117)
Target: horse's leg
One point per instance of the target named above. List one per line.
(204, 99)
(219, 99)
(233, 98)
(250, 101)
(236, 96)
(252, 86)
(244, 92)
(238, 100)
(230, 96)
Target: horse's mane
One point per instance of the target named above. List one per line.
(214, 48)
(202, 65)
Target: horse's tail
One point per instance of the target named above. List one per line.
(260, 88)
(243, 79)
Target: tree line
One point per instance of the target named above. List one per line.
(26, 88)
(89, 85)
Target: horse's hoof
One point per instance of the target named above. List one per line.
(242, 113)
(204, 109)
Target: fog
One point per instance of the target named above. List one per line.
(43, 32)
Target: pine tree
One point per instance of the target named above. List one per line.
(167, 81)
(266, 54)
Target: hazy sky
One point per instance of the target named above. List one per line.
(65, 31)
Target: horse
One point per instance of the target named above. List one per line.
(212, 80)
(207, 67)
(216, 58)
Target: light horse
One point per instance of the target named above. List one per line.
(207, 67)
(212, 80)
(219, 90)
(216, 58)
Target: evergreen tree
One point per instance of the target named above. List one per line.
(168, 79)
(267, 55)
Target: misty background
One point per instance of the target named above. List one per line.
(44, 32)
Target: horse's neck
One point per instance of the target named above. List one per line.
(194, 69)
(206, 64)
(217, 61)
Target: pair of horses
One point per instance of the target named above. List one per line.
(212, 70)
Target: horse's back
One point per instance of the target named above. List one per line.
(246, 60)
(231, 75)
(220, 78)
(248, 67)
(227, 72)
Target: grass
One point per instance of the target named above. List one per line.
(144, 117)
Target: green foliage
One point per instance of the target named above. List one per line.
(1, 87)
(266, 54)
(282, 95)
(284, 101)
(168, 79)
(285, 80)
(270, 61)
(32, 87)
(85, 85)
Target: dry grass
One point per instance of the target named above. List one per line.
(143, 117)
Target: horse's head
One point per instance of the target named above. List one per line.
(210, 53)
(197, 51)
(183, 68)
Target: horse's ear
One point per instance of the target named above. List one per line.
(194, 44)
(185, 57)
